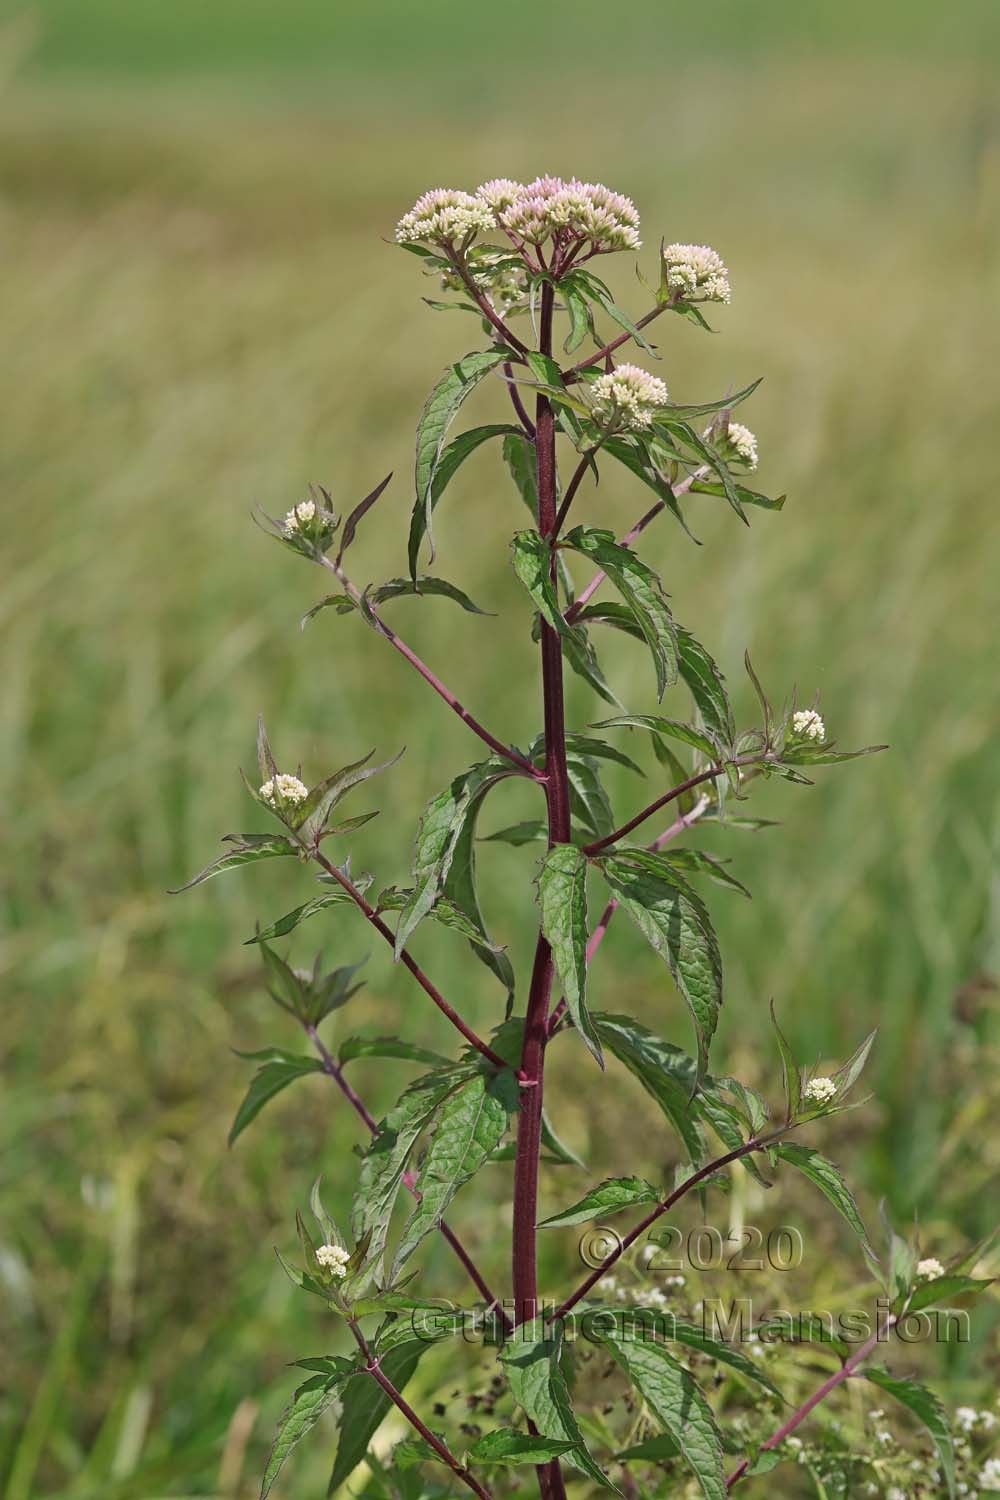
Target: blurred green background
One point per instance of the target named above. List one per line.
(199, 313)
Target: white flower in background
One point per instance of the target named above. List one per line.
(677, 1281)
(966, 1418)
(987, 1421)
(928, 1270)
(895, 1493)
(808, 724)
(627, 397)
(820, 1090)
(283, 788)
(884, 1436)
(696, 270)
(300, 515)
(442, 216)
(989, 1474)
(656, 1298)
(333, 1258)
(739, 445)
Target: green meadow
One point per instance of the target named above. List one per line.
(200, 314)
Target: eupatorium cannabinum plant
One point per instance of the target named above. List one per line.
(520, 259)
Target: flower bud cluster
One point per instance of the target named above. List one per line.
(819, 1091)
(572, 213)
(444, 216)
(627, 397)
(739, 445)
(807, 725)
(695, 271)
(333, 1258)
(283, 790)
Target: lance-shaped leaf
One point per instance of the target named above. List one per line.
(507, 1446)
(469, 1125)
(595, 287)
(277, 1070)
(710, 456)
(642, 591)
(301, 1414)
(562, 897)
(247, 849)
(847, 1076)
(609, 1197)
(386, 1159)
(667, 1074)
(926, 1407)
(824, 755)
(697, 862)
(676, 1401)
(366, 1404)
(673, 919)
(695, 1337)
(582, 659)
(357, 516)
(389, 1046)
(312, 816)
(828, 1178)
(585, 744)
(581, 320)
(460, 889)
(943, 1288)
(439, 412)
(635, 455)
(531, 1364)
(519, 456)
(707, 687)
(744, 495)
(791, 1076)
(532, 558)
(398, 588)
(674, 412)
(444, 911)
(588, 799)
(529, 832)
(656, 724)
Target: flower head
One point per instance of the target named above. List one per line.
(333, 1258)
(820, 1090)
(443, 216)
(627, 397)
(283, 789)
(808, 725)
(570, 211)
(739, 445)
(966, 1417)
(696, 271)
(929, 1270)
(989, 1474)
(499, 193)
(300, 515)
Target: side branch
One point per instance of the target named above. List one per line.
(678, 791)
(407, 960)
(435, 682)
(336, 1073)
(485, 306)
(573, 374)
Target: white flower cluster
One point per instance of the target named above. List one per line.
(820, 1090)
(333, 1258)
(989, 1474)
(627, 397)
(443, 216)
(572, 210)
(808, 724)
(530, 212)
(742, 444)
(283, 788)
(300, 515)
(696, 271)
(929, 1269)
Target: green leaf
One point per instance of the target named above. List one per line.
(581, 321)
(676, 1401)
(366, 1404)
(248, 848)
(653, 1450)
(588, 799)
(357, 515)
(288, 923)
(926, 1407)
(311, 817)
(397, 587)
(942, 1288)
(707, 687)
(560, 1153)
(532, 557)
(585, 744)
(470, 1124)
(641, 589)
(506, 1446)
(385, 1160)
(667, 1074)
(518, 834)
(686, 733)
(278, 1069)
(790, 1074)
(707, 408)
(674, 921)
(444, 912)
(744, 495)
(608, 1197)
(519, 456)
(635, 456)
(582, 659)
(847, 1076)
(439, 412)
(697, 862)
(304, 1410)
(827, 1177)
(708, 455)
(389, 1046)
(562, 896)
(596, 289)
(825, 755)
(695, 1337)
(531, 1363)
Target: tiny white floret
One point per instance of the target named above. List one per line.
(628, 396)
(928, 1270)
(696, 271)
(299, 515)
(989, 1474)
(283, 788)
(808, 724)
(820, 1090)
(333, 1258)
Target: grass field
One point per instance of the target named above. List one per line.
(199, 313)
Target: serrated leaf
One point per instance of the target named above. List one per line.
(686, 733)
(440, 410)
(276, 1073)
(827, 1177)
(804, 755)
(641, 589)
(636, 457)
(507, 1446)
(676, 1401)
(676, 924)
(420, 587)
(791, 1077)
(519, 456)
(389, 1046)
(653, 1450)
(581, 321)
(470, 1124)
(707, 687)
(697, 862)
(582, 659)
(586, 744)
(304, 1410)
(288, 923)
(926, 1407)
(531, 1363)
(311, 817)
(745, 495)
(444, 912)
(365, 1406)
(710, 456)
(609, 1197)
(695, 1337)
(562, 897)
(517, 834)
(601, 294)
(248, 849)
(532, 558)
(588, 799)
(941, 1288)
(666, 1073)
